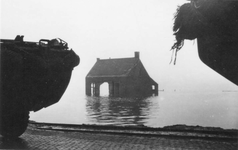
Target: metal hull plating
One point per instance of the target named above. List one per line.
(33, 76)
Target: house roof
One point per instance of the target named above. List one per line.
(113, 67)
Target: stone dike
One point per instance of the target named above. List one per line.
(183, 131)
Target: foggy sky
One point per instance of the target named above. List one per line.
(114, 29)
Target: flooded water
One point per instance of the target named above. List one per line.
(217, 109)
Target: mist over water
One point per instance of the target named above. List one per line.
(217, 109)
(116, 29)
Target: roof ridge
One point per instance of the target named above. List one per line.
(111, 67)
(119, 58)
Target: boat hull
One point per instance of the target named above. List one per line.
(221, 55)
(32, 77)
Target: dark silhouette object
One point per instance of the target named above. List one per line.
(33, 76)
(215, 25)
(126, 77)
(19, 38)
(16, 143)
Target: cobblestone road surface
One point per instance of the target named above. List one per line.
(56, 140)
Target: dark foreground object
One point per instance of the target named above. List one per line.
(43, 139)
(215, 25)
(34, 75)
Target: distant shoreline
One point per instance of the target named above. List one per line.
(229, 91)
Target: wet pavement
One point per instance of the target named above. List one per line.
(41, 139)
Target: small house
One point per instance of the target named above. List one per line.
(126, 77)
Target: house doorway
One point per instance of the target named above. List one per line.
(104, 89)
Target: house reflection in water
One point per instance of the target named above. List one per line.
(126, 77)
(118, 111)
